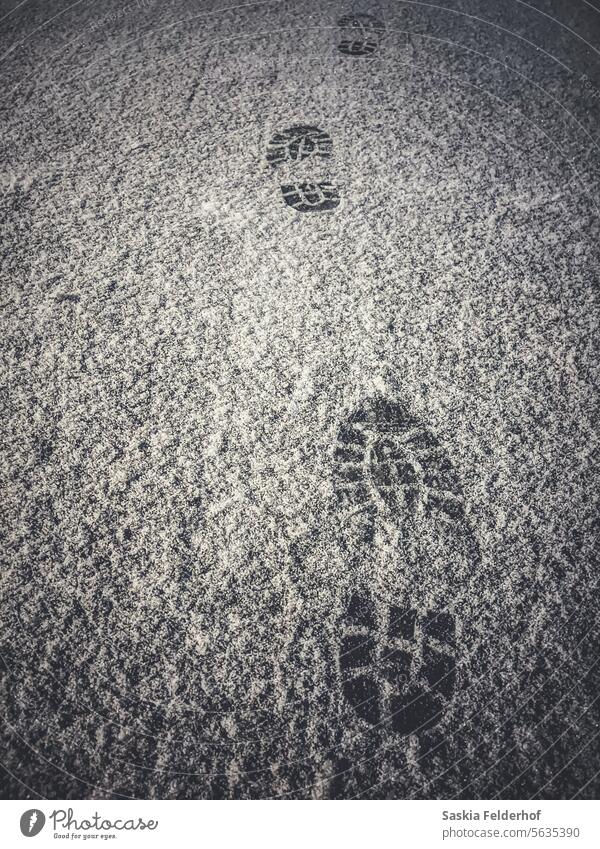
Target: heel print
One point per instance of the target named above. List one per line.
(311, 197)
(397, 664)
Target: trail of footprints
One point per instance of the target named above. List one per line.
(360, 35)
(397, 664)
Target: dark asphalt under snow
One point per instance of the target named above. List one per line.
(300, 414)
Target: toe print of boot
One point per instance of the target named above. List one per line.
(293, 146)
(360, 35)
(387, 460)
(297, 143)
(397, 664)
